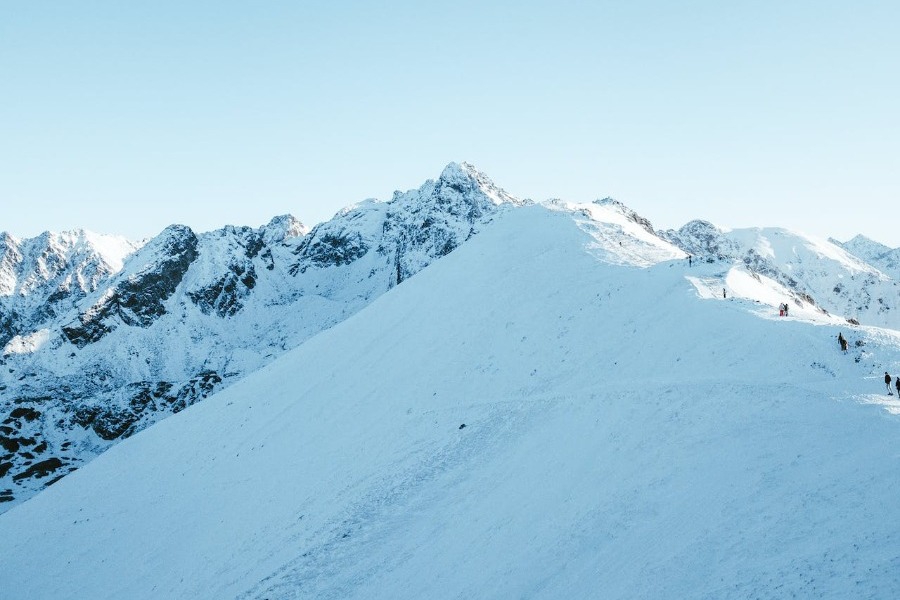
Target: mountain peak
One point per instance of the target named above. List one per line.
(283, 227)
(465, 176)
(861, 241)
(628, 213)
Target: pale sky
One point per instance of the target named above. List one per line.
(124, 117)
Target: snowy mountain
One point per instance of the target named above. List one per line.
(884, 258)
(43, 277)
(103, 337)
(545, 412)
(814, 272)
(186, 314)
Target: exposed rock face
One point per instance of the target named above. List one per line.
(138, 298)
(224, 295)
(411, 230)
(186, 314)
(703, 240)
(43, 278)
(629, 214)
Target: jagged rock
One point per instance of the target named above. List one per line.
(39, 470)
(281, 228)
(330, 250)
(138, 297)
(25, 412)
(629, 214)
(703, 240)
(43, 277)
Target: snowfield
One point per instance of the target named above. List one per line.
(535, 415)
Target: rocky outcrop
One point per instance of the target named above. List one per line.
(411, 230)
(137, 297)
(43, 278)
(703, 240)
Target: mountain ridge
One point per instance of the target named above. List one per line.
(114, 362)
(112, 359)
(583, 425)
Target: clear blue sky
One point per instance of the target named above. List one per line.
(123, 117)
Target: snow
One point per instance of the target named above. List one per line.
(114, 249)
(27, 265)
(617, 236)
(28, 343)
(785, 245)
(812, 270)
(626, 435)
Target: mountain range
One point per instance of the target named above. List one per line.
(453, 393)
(103, 337)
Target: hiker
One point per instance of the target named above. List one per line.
(690, 262)
(897, 383)
(781, 310)
(723, 293)
(843, 342)
(887, 382)
(785, 309)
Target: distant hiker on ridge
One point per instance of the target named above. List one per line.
(690, 263)
(785, 309)
(723, 293)
(887, 382)
(842, 341)
(897, 383)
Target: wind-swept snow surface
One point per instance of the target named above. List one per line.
(523, 419)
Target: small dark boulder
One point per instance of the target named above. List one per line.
(25, 412)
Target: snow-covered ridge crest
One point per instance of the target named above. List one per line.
(619, 235)
(70, 258)
(884, 258)
(465, 174)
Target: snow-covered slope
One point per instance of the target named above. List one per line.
(190, 313)
(878, 255)
(814, 271)
(524, 418)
